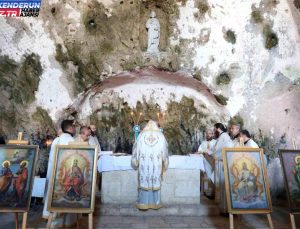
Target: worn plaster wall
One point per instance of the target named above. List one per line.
(245, 52)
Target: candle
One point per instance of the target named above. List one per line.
(139, 117)
(132, 117)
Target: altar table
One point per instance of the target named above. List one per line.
(108, 163)
(180, 185)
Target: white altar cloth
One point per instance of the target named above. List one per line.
(108, 163)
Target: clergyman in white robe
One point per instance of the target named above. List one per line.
(93, 140)
(223, 141)
(63, 139)
(150, 158)
(206, 147)
(235, 134)
(250, 143)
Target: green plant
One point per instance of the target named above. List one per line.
(223, 79)
(42, 117)
(221, 99)
(230, 36)
(271, 39)
(256, 16)
(203, 7)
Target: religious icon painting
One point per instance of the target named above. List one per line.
(290, 161)
(247, 187)
(73, 181)
(16, 177)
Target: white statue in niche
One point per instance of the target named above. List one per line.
(153, 29)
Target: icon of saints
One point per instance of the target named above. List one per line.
(297, 171)
(20, 181)
(6, 177)
(73, 182)
(246, 185)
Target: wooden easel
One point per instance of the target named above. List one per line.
(90, 219)
(232, 213)
(19, 141)
(232, 222)
(292, 217)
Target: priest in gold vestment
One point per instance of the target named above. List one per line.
(150, 158)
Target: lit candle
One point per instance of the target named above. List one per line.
(132, 117)
(158, 117)
(139, 117)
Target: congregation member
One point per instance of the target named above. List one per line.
(2, 140)
(150, 158)
(235, 134)
(93, 140)
(67, 136)
(222, 141)
(206, 149)
(84, 135)
(247, 140)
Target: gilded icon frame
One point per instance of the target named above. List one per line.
(29, 185)
(92, 192)
(282, 153)
(262, 174)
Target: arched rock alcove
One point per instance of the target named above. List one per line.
(189, 107)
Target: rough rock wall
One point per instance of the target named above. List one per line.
(246, 52)
(182, 105)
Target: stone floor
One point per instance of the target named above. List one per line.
(280, 219)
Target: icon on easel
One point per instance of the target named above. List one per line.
(17, 160)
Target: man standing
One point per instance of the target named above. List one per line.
(206, 149)
(249, 142)
(223, 141)
(84, 135)
(235, 133)
(68, 130)
(150, 157)
(93, 140)
(246, 139)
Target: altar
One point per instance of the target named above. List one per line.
(181, 183)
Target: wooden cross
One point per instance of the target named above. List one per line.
(19, 141)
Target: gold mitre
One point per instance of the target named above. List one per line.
(151, 126)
